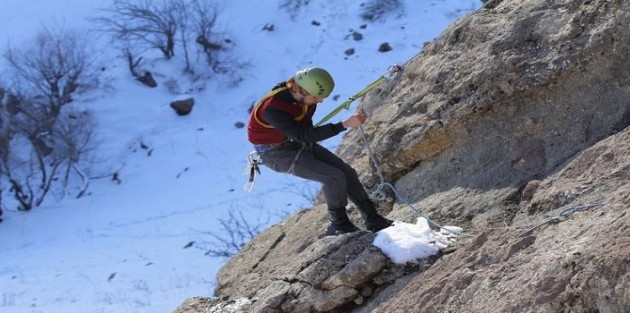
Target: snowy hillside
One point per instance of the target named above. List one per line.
(125, 246)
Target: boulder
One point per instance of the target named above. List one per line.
(183, 107)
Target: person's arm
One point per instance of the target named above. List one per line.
(355, 120)
(284, 122)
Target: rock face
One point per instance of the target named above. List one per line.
(517, 113)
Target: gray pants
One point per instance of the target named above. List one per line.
(340, 182)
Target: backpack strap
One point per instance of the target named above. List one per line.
(269, 95)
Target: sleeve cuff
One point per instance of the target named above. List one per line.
(339, 127)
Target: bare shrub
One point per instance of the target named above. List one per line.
(185, 26)
(142, 23)
(374, 10)
(293, 7)
(203, 23)
(236, 232)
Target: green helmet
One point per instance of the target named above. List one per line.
(316, 81)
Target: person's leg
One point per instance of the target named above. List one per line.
(333, 182)
(355, 190)
(372, 220)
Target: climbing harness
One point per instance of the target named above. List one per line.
(392, 72)
(254, 161)
(295, 160)
(563, 216)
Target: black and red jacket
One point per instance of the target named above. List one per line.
(280, 117)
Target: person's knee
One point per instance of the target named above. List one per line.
(335, 179)
(353, 173)
(349, 171)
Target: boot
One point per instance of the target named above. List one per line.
(339, 223)
(372, 220)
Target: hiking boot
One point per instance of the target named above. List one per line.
(339, 229)
(339, 223)
(377, 223)
(373, 221)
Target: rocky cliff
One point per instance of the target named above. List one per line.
(513, 124)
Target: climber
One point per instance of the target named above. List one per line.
(282, 132)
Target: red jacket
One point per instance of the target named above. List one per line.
(280, 117)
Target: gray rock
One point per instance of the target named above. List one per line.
(183, 107)
(516, 113)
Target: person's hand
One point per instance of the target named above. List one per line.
(355, 120)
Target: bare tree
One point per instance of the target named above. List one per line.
(74, 141)
(9, 164)
(29, 166)
(145, 22)
(5, 135)
(5, 131)
(53, 68)
(33, 160)
(47, 75)
(181, 12)
(133, 61)
(203, 16)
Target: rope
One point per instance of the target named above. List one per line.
(392, 71)
(379, 193)
(563, 216)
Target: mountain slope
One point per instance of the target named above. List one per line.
(517, 114)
